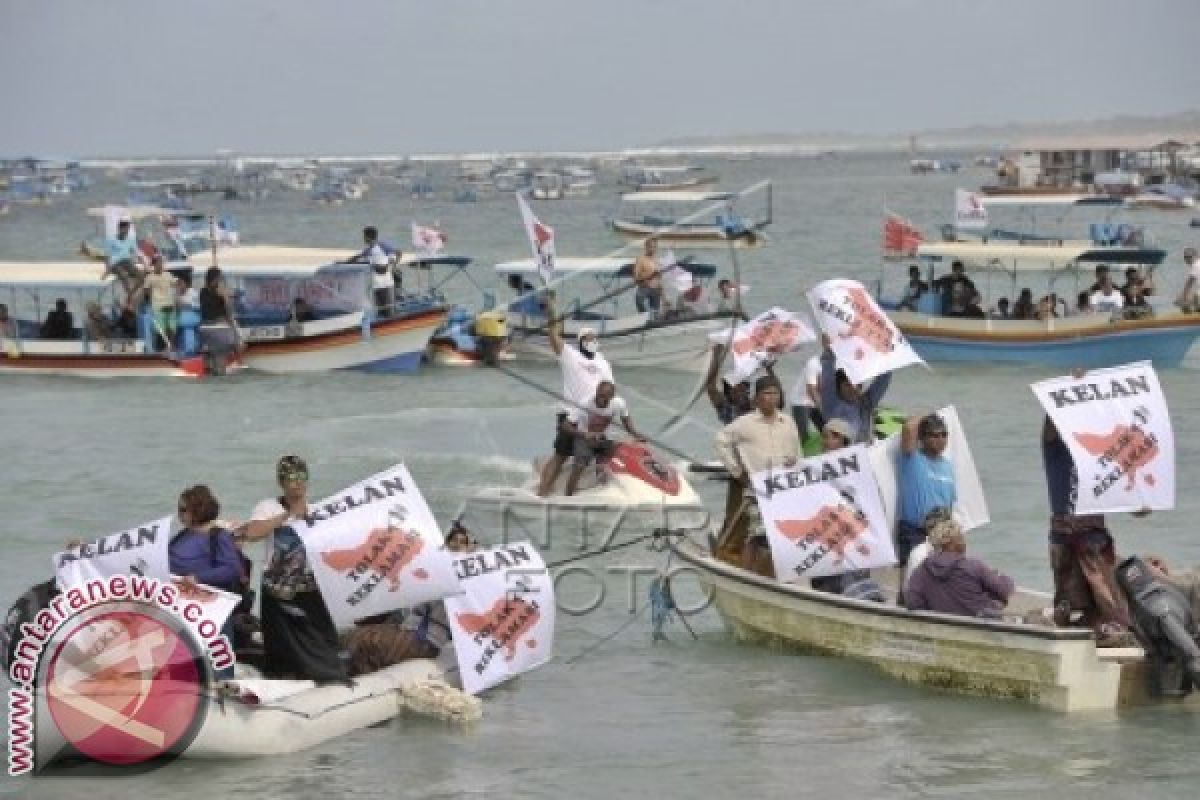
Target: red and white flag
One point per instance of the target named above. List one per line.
(900, 237)
(541, 239)
(427, 241)
(764, 338)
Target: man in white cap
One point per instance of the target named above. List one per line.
(583, 368)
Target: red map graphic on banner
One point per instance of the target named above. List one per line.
(869, 325)
(386, 551)
(506, 622)
(1128, 446)
(773, 336)
(836, 527)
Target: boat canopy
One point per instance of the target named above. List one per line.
(52, 275)
(269, 260)
(622, 267)
(677, 197)
(996, 201)
(1036, 255)
(133, 213)
(427, 262)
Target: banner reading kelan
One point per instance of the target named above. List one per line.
(823, 516)
(862, 337)
(1116, 425)
(503, 623)
(138, 551)
(376, 547)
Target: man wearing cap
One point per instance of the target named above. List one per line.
(121, 254)
(926, 479)
(299, 637)
(583, 368)
(763, 439)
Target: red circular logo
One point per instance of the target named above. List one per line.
(124, 687)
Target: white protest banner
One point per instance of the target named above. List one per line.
(767, 336)
(137, 551)
(503, 623)
(376, 547)
(969, 211)
(1116, 424)
(823, 516)
(864, 340)
(217, 603)
(970, 509)
(541, 239)
(427, 241)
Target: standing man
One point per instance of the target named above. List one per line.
(583, 368)
(762, 439)
(1189, 299)
(926, 479)
(160, 285)
(648, 276)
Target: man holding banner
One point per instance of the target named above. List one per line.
(926, 479)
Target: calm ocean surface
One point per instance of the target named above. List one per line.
(622, 717)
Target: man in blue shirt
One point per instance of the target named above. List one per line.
(120, 258)
(842, 399)
(926, 479)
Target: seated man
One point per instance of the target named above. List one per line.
(99, 329)
(951, 583)
(588, 424)
(59, 324)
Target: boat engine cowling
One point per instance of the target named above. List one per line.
(491, 331)
(1163, 623)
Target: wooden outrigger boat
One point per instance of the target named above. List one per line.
(691, 219)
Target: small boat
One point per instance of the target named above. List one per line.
(548, 186)
(579, 180)
(666, 179)
(631, 490)
(692, 219)
(1170, 197)
(1060, 669)
(628, 338)
(925, 166)
(346, 333)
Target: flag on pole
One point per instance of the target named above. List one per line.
(427, 241)
(900, 237)
(541, 239)
(969, 211)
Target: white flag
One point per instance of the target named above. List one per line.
(541, 239)
(376, 547)
(427, 241)
(970, 508)
(137, 551)
(766, 337)
(969, 211)
(503, 622)
(823, 516)
(864, 340)
(1116, 424)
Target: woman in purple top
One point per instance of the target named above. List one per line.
(202, 550)
(950, 582)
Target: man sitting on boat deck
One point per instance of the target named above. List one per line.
(841, 398)
(98, 326)
(1105, 298)
(583, 368)
(121, 257)
(587, 426)
(951, 582)
(60, 323)
(647, 274)
(925, 480)
(763, 439)
(1082, 556)
(913, 291)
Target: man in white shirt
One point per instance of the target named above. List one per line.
(806, 405)
(587, 426)
(1106, 299)
(583, 368)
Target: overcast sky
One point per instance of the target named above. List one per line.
(174, 77)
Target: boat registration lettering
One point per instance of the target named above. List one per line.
(904, 648)
(118, 347)
(264, 333)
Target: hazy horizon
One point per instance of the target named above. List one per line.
(136, 77)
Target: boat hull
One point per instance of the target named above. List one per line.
(394, 346)
(689, 235)
(681, 345)
(1057, 669)
(1086, 342)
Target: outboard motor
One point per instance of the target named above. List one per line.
(491, 332)
(1163, 623)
